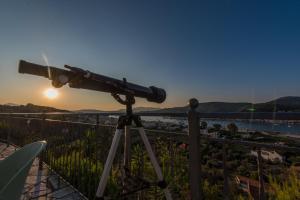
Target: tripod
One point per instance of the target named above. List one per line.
(123, 126)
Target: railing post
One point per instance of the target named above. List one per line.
(8, 134)
(97, 120)
(8, 138)
(41, 157)
(260, 175)
(225, 172)
(194, 151)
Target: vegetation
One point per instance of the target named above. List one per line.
(289, 189)
(203, 125)
(78, 153)
(232, 128)
(217, 127)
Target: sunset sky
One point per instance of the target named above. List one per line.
(212, 50)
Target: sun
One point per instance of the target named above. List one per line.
(51, 93)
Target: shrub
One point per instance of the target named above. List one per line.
(286, 190)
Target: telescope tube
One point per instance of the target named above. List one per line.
(79, 78)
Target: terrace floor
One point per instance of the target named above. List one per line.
(43, 184)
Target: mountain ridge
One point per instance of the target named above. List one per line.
(137, 109)
(28, 108)
(282, 104)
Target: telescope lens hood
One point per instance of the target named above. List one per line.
(158, 95)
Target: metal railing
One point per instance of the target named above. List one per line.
(77, 151)
(195, 139)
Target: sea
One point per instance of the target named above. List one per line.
(283, 127)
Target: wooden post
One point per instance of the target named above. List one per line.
(194, 151)
(260, 175)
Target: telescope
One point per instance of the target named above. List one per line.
(79, 78)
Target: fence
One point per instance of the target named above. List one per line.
(195, 166)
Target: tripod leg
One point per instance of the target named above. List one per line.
(127, 148)
(109, 162)
(155, 163)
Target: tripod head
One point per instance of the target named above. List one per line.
(128, 102)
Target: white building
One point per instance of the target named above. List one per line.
(269, 155)
(214, 134)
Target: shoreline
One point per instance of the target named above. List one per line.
(285, 135)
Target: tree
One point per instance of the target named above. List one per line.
(232, 127)
(217, 127)
(203, 125)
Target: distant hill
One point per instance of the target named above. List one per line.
(209, 107)
(89, 111)
(141, 109)
(11, 104)
(29, 108)
(137, 109)
(283, 104)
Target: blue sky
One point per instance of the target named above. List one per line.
(211, 50)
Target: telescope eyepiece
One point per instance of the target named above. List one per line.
(34, 69)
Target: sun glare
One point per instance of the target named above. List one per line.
(51, 93)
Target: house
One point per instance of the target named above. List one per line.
(214, 134)
(150, 125)
(246, 135)
(280, 143)
(204, 131)
(272, 156)
(247, 185)
(250, 186)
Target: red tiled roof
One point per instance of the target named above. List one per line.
(249, 181)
